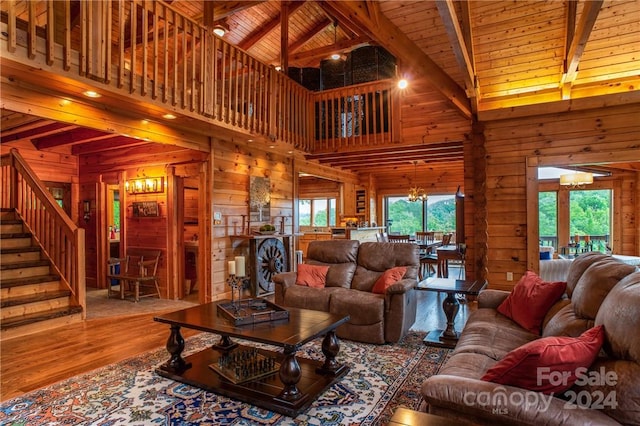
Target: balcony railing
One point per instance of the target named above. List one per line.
(149, 50)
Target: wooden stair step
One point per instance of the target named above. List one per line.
(39, 316)
(24, 264)
(9, 235)
(17, 282)
(31, 298)
(11, 250)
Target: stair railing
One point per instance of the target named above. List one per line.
(61, 240)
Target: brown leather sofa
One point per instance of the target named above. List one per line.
(600, 290)
(354, 269)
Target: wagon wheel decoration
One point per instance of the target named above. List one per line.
(271, 259)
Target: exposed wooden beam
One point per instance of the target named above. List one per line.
(17, 122)
(266, 29)
(398, 44)
(326, 51)
(48, 129)
(223, 9)
(447, 11)
(579, 40)
(113, 142)
(284, 37)
(72, 137)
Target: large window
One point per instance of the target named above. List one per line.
(437, 214)
(581, 212)
(317, 212)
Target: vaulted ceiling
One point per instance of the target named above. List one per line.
(463, 59)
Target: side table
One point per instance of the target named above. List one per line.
(448, 338)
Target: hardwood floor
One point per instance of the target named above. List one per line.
(38, 360)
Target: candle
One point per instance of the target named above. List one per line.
(232, 267)
(240, 266)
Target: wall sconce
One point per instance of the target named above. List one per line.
(86, 207)
(148, 185)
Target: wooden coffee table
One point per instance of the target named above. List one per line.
(295, 384)
(448, 338)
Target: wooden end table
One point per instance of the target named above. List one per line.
(448, 338)
(288, 391)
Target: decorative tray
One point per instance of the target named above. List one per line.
(251, 311)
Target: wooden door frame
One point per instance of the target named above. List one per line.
(574, 159)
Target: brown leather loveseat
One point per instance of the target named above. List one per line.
(600, 291)
(354, 268)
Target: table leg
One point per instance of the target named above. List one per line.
(450, 306)
(330, 349)
(290, 374)
(175, 346)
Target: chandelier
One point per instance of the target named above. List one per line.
(416, 193)
(577, 179)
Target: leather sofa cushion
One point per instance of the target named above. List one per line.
(339, 255)
(595, 283)
(491, 334)
(309, 298)
(364, 308)
(375, 258)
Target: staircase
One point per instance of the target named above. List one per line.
(32, 296)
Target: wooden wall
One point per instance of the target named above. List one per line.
(233, 165)
(605, 134)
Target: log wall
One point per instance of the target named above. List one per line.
(579, 137)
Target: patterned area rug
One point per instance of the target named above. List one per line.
(382, 378)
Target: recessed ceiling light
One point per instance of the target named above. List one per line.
(403, 83)
(335, 56)
(249, 140)
(91, 94)
(278, 68)
(272, 146)
(169, 116)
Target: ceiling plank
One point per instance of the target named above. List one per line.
(398, 44)
(266, 29)
(223, 9)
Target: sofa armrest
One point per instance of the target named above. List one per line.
(281, 282)
(401, 286)
(487, 401)
(491, 298)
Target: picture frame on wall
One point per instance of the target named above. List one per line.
(259, 199)
(146, 209)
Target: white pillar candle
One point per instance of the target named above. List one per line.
(240, 266)
(232, 267)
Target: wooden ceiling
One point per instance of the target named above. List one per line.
(462, 59)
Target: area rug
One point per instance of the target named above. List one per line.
(382, 378)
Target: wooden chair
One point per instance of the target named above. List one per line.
(399, 238)
(148, 272)
(117, 267)
(141, 271)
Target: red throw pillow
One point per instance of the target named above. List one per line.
(550, 364)
(530, 300)
(312, 275)
(388, 278)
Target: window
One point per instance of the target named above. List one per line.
(437, 214)
(317, 212)
(563, 215)
(548, 218)
(590, 214)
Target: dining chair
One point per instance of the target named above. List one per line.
(382, 237)
(399, 238)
